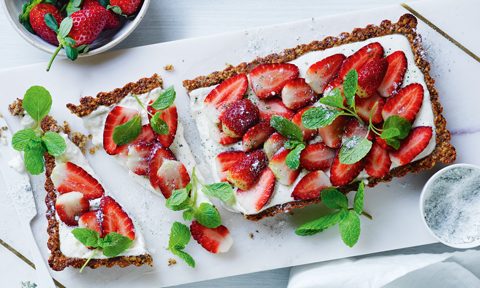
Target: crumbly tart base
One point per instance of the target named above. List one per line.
(57, 260)
(406, 25)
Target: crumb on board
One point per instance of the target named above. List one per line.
(4, 128)
(83, 151)
(168, 67)
(251, 235)
(172, 262)
(66, 128)
(256, 231)
(1, 115)
(93, 150)
(90, 136)
(79, 139)
(16, 108)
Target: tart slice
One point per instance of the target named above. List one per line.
(365, 80)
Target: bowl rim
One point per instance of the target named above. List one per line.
(49, 48)
(422, 202)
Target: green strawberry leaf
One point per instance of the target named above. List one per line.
(319, 117)
(25, 139)
(65, 27)
(115, 244)
(286, 127)
(71, 42)
(87, 237)
(104, 3)
(359, 196)
(51, 22)
(334, 199)
(126, 133)
(34, 159)
(333, 99)
(165, 100)
(72, 53)
(159, 125)
(37, 102)
(222, 190)
(293, 158)
(318, 225)
(116, 9)
(350, 228)
(73, 6)
(55, 143)
(208, 216)
(350, 87)
(354, 149)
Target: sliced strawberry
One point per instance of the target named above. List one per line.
(267, 80)
(406, 103)
(118, 116)
(332, 134)
(70, 206)
(412, 145)
(382, 143)
(344, 174)
(115, 219)
(160, 154)
(256, 136)
(364, 106)
(253, 199)
(377, 161)
(147, 136)
(215, 240)
(228, 92)
(297, 94)
(68, 177)
(139, 157)
(172, 175)
(170, 116)
(311, 186)
(370, 76)
(239, 117)
(284, 175)
(321, 73)
(317, 156)
(308, 134)
(367, 53)
(354, 127)
(271, 107)
(225, 160)
(91, 220)
(216, 134)
(273, 144)
(245, 172)
(397, 66)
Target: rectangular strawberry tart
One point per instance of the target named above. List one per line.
(357, 107)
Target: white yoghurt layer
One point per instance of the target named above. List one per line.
(282, 193)
(69, 245)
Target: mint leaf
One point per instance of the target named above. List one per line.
(165, 100)
(319, 224)
(126, 133)
(159, 125)
(179, 236)
(25, 139)
(208, 216)
(51, 22)
(395, 143)
(359, 196)
(350, 228)
(319, 117)
(87, 237)
(350, 87)
(37, 102)
(188, 214)
(115, 243)
(291, 144)
(34, 159)
(334, 199)
(390, 133)
(333, 99)
(55, 143)
(179, 199)
(293, 158)
(286, 127)
(222, 190)
(354, 149)
(185, 256)
(399, 123)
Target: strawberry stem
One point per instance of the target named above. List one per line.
(53, 57)
(88, 260)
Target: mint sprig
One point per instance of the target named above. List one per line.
(37, 102)
(349, 222)
(290, 130)
(179, 238)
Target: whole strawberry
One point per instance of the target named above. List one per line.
(127, 7)
(35, 16)
(113, 20)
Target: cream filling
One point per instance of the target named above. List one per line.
(282, 193)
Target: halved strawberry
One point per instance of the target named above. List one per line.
(256, 136)
(363, 107)
(245, 172)
(147, 136)
(253, 199)
(70, 206)
(332, 134)
(139, 157)
(412, 145)
(317, 156)
(308, 134)
(344, 174)
(170, 116)
(225, 160)
(215, 240)
(160, 154)
(397, 66)
(383, 143)
(172, 175)
(91, 220)
(267, 80)
(270, 107)
(118, 116)
(216, 134)
(367, 53)
(406, 103)
(321, 73)
(68, 177)
(354, 127)
(377, 161)
(228, 92)
(274, 143)
(297, 94)
(284, 175)
(370, 76)
(311, 186)
(239, 117)
(115, 219)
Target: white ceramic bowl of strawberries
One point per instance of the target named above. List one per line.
(106, 40)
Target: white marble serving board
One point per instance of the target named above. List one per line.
(394, 206)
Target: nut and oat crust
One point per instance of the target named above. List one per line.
(57, 260)
(406, 25)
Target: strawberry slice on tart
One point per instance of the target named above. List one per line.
(343, 174)
(245, 172)
(354, 127)
(118, 116)
(255, 198)
(273, 106)
(370, 76)
(332, 134)
(284, 175)
(410, 147)
(406, 103)
(70, 206)
(256, 136)
(115, 219)
(311, 186)
(239, 117)
(317, 156)
(267, 80)
(364, 106)
(321, 73)
(68, 177)
(170, 116)
(397, 66)
(308, 134)
(297, 94)
(92, 220)
(357, 60)
(171, 176)
(215, 131)
(225, 160)
(377, 161)
(273, 144)
(214, 240)
(139, 158)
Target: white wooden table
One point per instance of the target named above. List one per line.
(174, 20)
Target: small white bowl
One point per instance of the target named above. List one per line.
(427, 192)
(105, 41)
